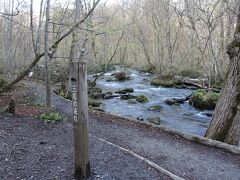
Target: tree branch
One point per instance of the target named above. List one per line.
(110, 60)
(54, 46)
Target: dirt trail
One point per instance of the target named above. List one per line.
(179, 156)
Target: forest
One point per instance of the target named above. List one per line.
(168, 67)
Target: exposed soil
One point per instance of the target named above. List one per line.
(23, 103)
(31, 149)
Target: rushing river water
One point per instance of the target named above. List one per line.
(183, 117)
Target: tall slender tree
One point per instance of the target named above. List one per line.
(46, 52)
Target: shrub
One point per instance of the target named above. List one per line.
(190, 73)
(51, 117)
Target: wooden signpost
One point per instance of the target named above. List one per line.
(80, 119)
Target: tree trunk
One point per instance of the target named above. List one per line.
(47, 62)
(225, 125)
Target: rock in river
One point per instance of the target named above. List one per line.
(169, 101)
(142, 99)
(202, 99)
(127, 97)
(155, 108)
(110, 96)
(125, 91)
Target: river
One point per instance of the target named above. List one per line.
(182, 117)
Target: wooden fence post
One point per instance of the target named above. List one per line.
(80, 119)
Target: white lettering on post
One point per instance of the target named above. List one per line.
(74, 102)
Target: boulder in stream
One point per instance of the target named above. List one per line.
(155, 108)
(170, 101)
(142, 99)
(177, 101)
(110, 96)
(127, 97)
(125, 91)
(202, 99)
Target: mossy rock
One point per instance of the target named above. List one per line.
(202, 99)
(93, 103)
(127, 97)
(155, 108)
(163, 82)
(142, 99)
(125, 91)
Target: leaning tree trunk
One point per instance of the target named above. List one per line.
(225, 125)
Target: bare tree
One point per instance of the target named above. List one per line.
(52, 48)
(225, 125)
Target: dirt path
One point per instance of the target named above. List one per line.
(179, 156)
(31, 149)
